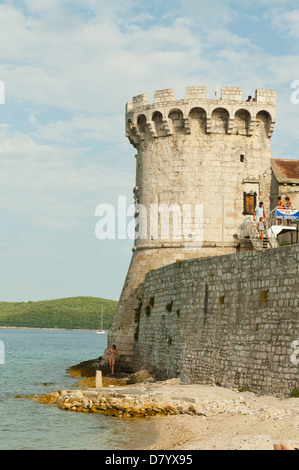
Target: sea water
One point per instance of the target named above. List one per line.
(36, 362)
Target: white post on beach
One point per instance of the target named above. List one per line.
(98, 379)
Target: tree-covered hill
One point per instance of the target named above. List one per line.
(68, 313)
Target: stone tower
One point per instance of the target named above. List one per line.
(197, 160)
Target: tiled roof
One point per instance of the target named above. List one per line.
(285, 170)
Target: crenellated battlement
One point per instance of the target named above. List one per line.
(199, 93)
(166, 113)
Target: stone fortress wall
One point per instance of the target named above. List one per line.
(193, 151)
(229, 320)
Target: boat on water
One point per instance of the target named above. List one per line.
(101, 331)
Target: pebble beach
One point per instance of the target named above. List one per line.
(192, 417)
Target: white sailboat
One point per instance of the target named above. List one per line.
(101, 331)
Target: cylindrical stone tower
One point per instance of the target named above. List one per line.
(197, 161)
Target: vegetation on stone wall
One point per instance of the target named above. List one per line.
(137, 319)
(264, 296)
(169, 306)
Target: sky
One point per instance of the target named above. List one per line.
(68, 69)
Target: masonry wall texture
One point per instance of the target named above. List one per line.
(203, 311)
(229, 320)
(193, 151)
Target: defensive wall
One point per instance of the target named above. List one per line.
(192, 152)
(206, 312)
(229, 320)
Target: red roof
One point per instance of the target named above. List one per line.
(289, 168)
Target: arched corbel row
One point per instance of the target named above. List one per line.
(146, 124)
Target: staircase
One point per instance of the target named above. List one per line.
(249, 230)
(254, 237)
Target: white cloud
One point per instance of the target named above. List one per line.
(79, 67)
(52, 184)
(287, 23)
(81, 127)
(69, 67)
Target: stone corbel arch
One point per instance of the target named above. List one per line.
(176, 117)
(157, 121)
(242, 122)
(198, 115)
(142, 125)
(132, 133)
(264, 121)
(220, 121)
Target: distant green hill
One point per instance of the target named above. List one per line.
(69, 313)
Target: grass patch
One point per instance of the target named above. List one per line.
(264, 296)
(243, 388)
(169, 306)
(148, 310)
(138, 312)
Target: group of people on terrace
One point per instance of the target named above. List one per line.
(260, 215)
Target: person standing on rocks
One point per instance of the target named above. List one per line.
(112, 356)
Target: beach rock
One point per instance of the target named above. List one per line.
(174, 381)
(151, 400)
(78, 395)
(85, 368)
(142, 376)
(200, 412)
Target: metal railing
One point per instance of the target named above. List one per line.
(272, 237)
(279, 224)
(276, 221)
(249, 229)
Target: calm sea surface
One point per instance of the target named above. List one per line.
(35, 362)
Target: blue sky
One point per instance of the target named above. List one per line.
(69, 68)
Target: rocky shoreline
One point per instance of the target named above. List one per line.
(169, 398)
(198, 417)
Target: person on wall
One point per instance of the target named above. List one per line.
(288, 205)
(280, 205)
